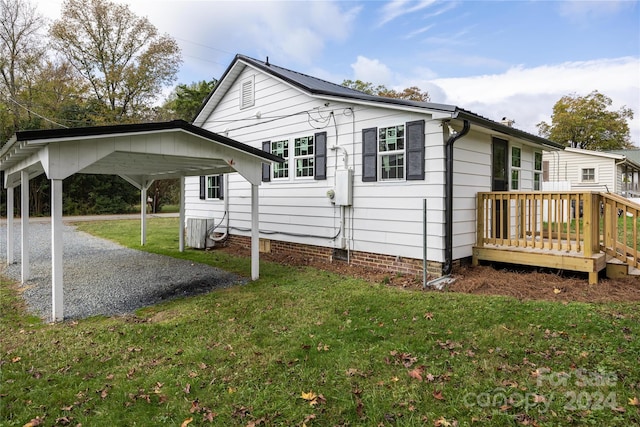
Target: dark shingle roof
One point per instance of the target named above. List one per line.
(316, 86)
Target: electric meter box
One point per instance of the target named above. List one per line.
(344, 187)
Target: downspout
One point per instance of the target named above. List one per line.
(448, 242)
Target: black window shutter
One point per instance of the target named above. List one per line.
(203, 187)
(266, 167)
(320, 156)
(221, 186)
(369, 154)
(415, 150)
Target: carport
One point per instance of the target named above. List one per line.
(140, 154)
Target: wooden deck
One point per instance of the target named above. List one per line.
(586, 232)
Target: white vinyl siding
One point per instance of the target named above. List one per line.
(572, 166)
(387, 215)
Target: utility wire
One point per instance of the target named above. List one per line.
(36, 114)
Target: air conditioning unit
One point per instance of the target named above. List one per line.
(198, 232)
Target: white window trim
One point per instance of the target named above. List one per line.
(537, 172)
(294, 159)
(208, 187)
(382, 154)
(287, 164)
(595, 175)
(515, 168)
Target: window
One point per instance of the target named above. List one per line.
(303, 156)
(588, 175)
(515, 179)
(394, 153)
(307, 155)
(516, 154)
(515, 157)
(212, 187)
(391, 152)
(247, 98)
(537, 171)
(281, 148)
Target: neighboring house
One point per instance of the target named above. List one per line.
(362, 175)
(586, 170)
(632, 175)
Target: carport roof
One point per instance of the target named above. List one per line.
(139, 151)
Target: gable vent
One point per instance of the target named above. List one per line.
(247, 93)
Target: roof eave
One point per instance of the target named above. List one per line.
(508, 130)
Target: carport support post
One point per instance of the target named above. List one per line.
(24, 224)
(255, 234)
(56, 251)
(181, 220)
(144, 186)
(10, 231)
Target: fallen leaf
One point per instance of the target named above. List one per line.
(634, 401)
(309, 396)
(441, 422)
(187, 388)
(428, 316)
(416, 374)
(186, 422)
(34, 422)
(16, 359)
(437, 394)
(556, 291)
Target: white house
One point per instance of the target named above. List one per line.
(372, 181)
(587, 170)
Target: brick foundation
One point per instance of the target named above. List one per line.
(390, 263)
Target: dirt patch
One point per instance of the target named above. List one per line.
(519, 282)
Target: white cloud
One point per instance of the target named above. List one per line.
(397, 8)
(372, 71)
(583, 11)
(527, 95)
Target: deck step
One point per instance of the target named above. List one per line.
(617, 269)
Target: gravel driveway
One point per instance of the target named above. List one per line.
(104, 278)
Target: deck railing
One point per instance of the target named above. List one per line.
(569, 221)
(621, 228)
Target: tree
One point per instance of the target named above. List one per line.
(122, 56)
(20, 52)
(586, 122)
(412, 93)
(185, 100)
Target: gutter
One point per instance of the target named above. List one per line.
(448, 233)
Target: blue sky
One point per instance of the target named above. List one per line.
(495, 58)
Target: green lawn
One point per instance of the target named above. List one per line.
(307, 347)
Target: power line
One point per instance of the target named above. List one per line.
(39, 115)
